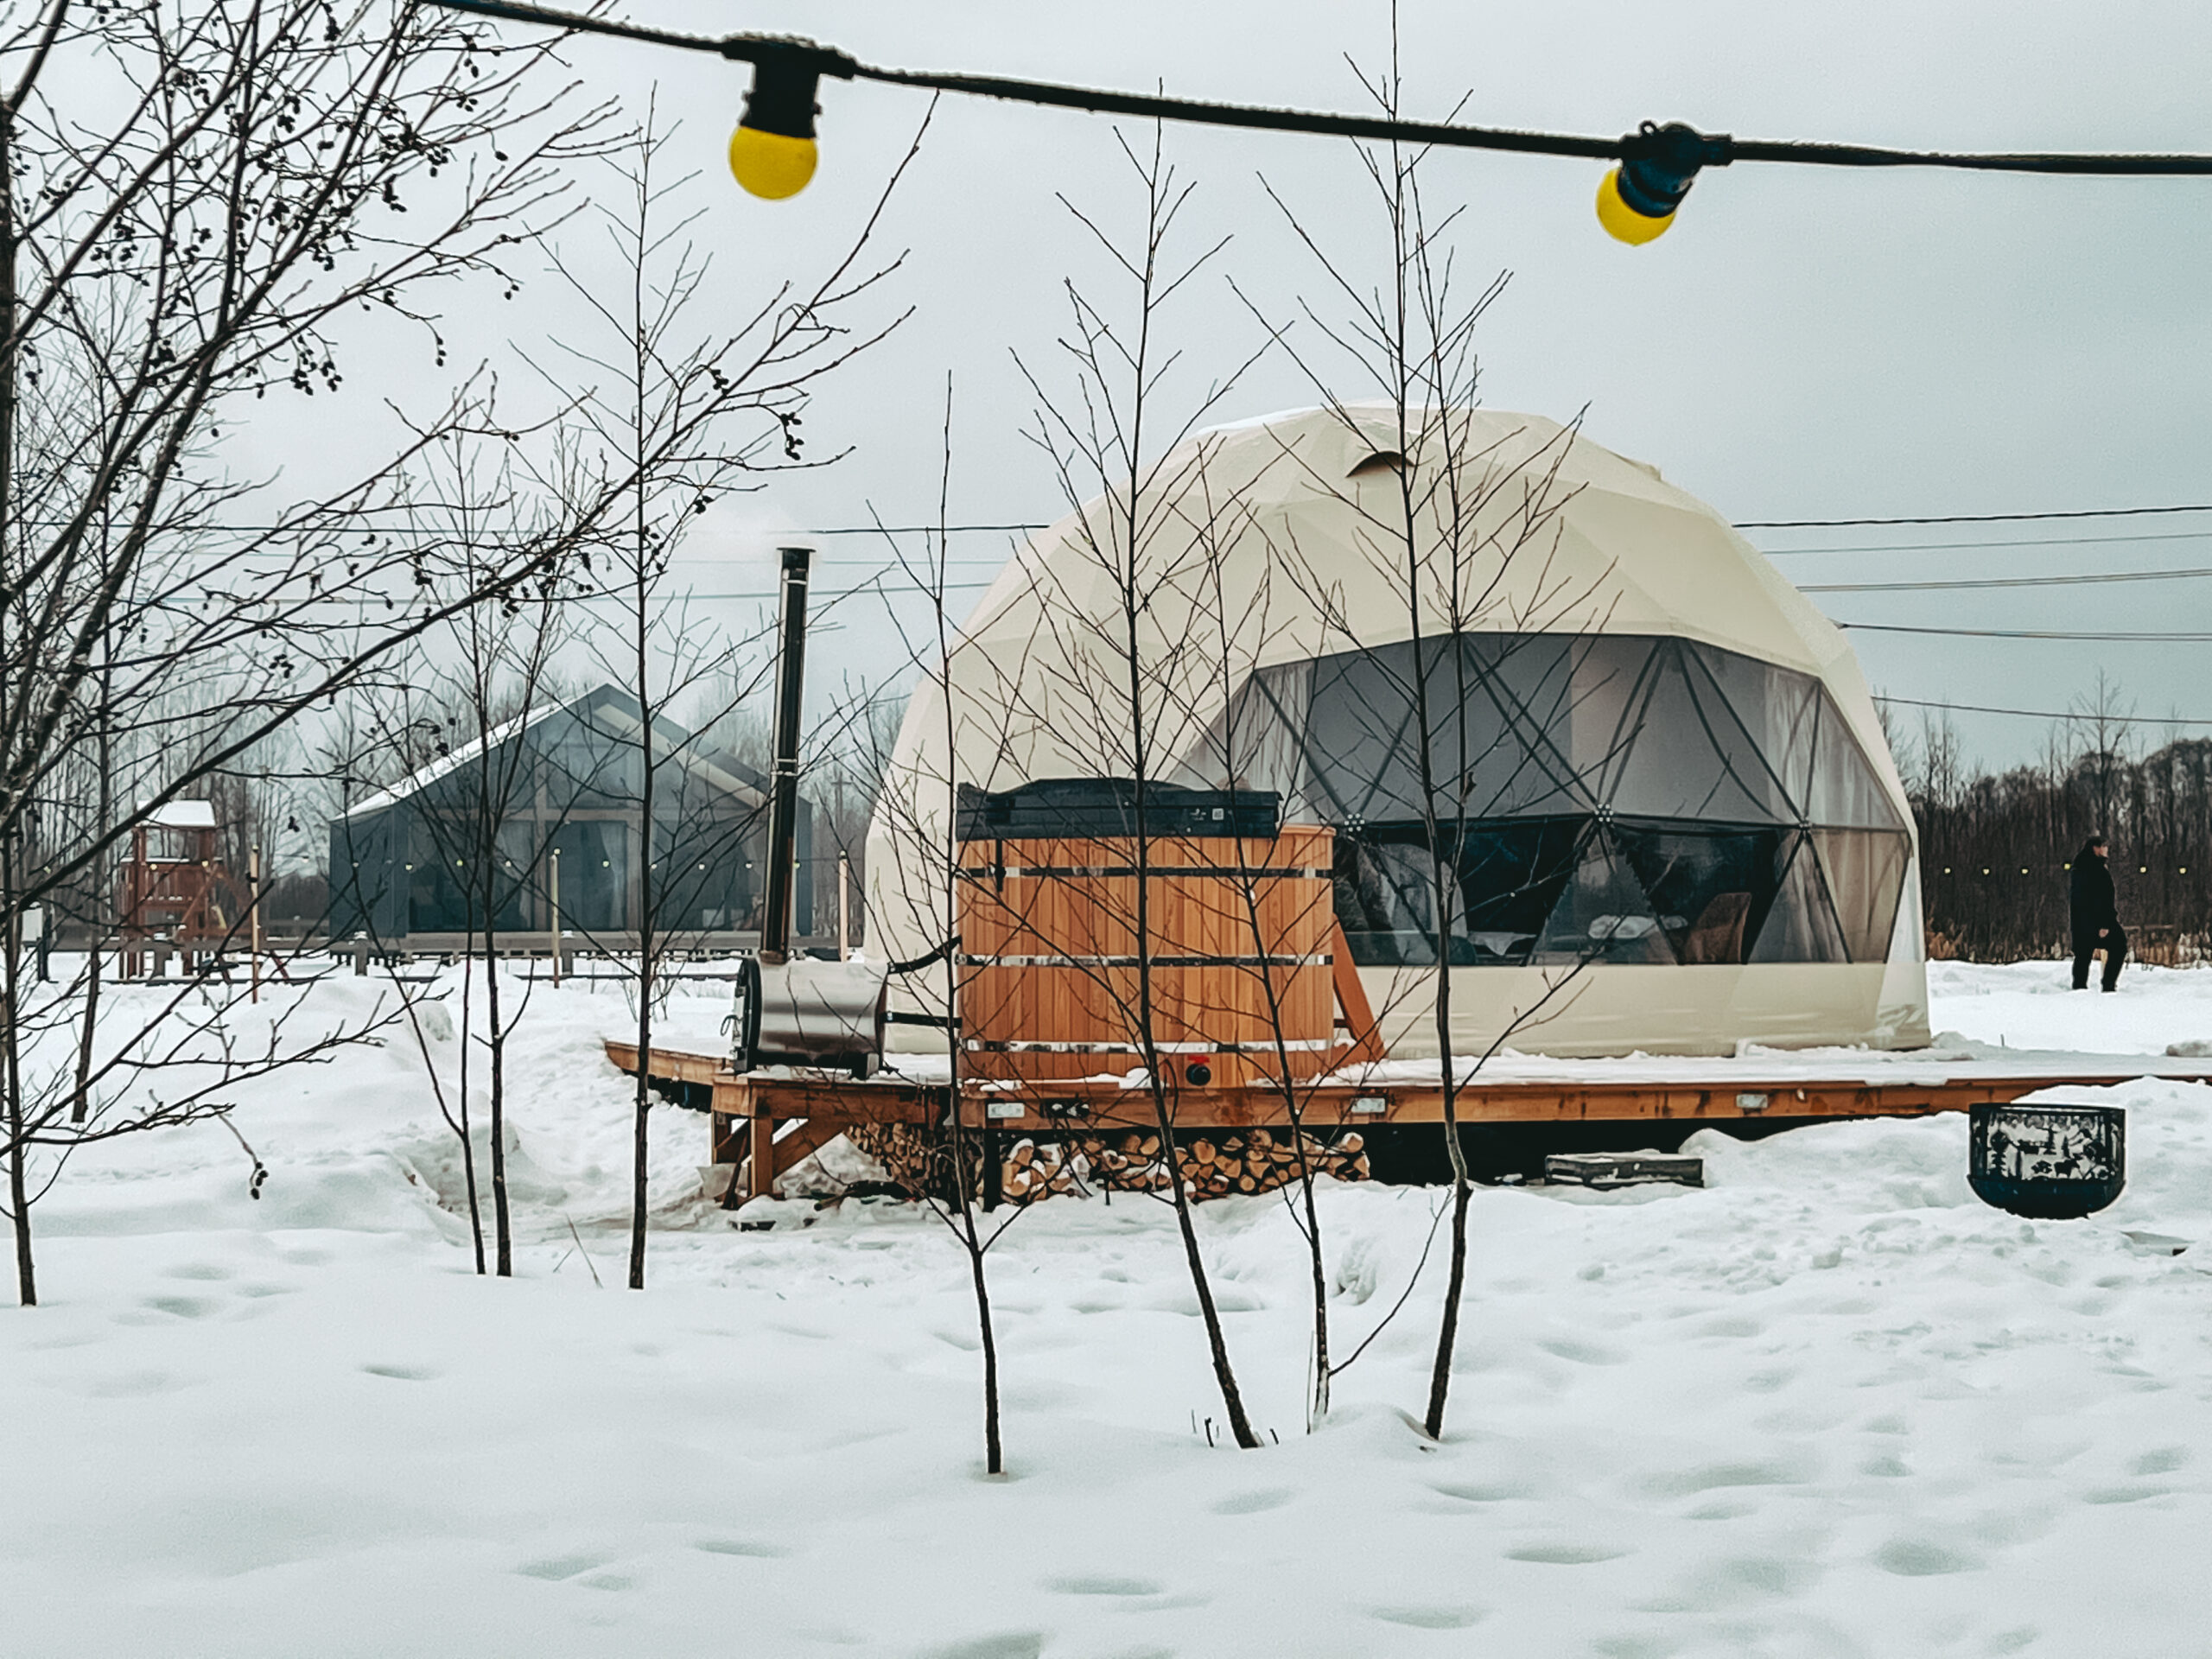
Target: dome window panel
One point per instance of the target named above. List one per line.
(1685, 756)
(1258, 742)
(1710, 888)
(1386, 896)
(1801, 925)
(1511, 876)
(1778, 707)
(1362, 745)
(1864, 870)
(1604, 915)
(1506, 877)
(1845, 791)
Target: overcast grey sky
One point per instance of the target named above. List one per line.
(1804, 343)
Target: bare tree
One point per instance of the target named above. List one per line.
(946, 1183)
(678, 414)
(197, 206)
(512, 802)
(1461, 528)
(1099, 690)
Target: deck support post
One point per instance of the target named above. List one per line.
(994, 1171)
(760, 1143)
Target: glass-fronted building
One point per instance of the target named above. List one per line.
(568, 779)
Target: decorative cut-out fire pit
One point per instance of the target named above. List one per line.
(2052, 1162)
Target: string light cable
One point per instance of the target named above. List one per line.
(774, 152)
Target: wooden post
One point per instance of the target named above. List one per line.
(1351, 998)
(254, 913)
(761, 1157)
(844, 910)
(554, 897)
(360, 958)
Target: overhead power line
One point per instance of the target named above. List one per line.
(2176, 637)
(2045, 713)
(1963, 518)
(2002, 581)
(1970, 547)
(915, 529)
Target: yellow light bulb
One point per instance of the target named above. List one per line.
(769, 165)
(1622, 222)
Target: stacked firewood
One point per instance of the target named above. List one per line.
(915, 1156)
(1215, 1165)
(1033, 1171)
(1219, 1165)
(1258, 1160)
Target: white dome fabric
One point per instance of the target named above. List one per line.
(1677, 826)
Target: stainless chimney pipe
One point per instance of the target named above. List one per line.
(782, 776)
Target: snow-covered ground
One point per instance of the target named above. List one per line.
(1830, 1405)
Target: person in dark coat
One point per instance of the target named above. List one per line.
(2096, 917)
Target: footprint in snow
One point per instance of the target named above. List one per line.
(554, 1568)
(1492, 1492)
(1101, 1585)
(1582, 1353)
(1431, 1619)
(1709, 1477)
(184, 1307)
(756, 1548)
(1254, 1502)
(1915, 1558)
(1566, 1554)
(133, 1385)
(402, 1373)
(1014, 1644)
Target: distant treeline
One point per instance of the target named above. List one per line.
(1995, 849)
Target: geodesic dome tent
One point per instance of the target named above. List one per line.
(1673, 820)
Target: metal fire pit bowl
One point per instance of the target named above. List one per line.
(2051, 1162)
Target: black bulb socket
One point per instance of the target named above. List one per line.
(1658, 164)
(785, 80)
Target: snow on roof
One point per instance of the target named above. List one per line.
(183, 815)
(725, 771)
(416, 782)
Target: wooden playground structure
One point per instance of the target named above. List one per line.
(174, 895)
(173, 891)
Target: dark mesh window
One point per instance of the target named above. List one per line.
(1604, 915)
(1508, 879)
(1711, 889)
(1620, 797)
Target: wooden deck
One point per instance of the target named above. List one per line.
(777, 1116)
